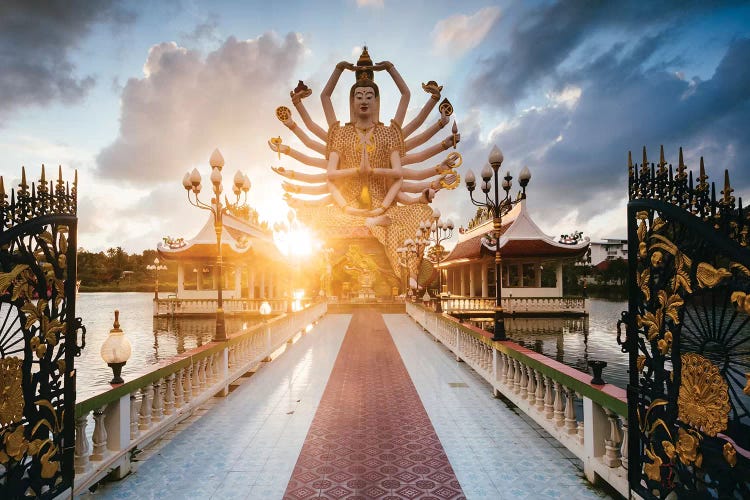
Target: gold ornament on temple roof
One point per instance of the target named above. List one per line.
(703, 401)
(283, 113)
(11, 391)
(708, 276)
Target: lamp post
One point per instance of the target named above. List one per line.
(498, 205)
(116, 350)
(439, 231)
(192, 184)
(411, 249)
(156, 267)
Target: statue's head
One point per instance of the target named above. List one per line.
(364, 96)
(364, 101)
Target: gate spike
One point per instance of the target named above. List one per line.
(661, 156)
(23, 178)
(59, 173)
(630, 164)
(42, 180)
(727, 192)
(2, 189)
(645, 159)
(75, 179)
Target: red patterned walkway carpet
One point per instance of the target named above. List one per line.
(371, 436)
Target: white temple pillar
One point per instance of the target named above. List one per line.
(180, 279)
(238, 281)
(199, 277)
(272, 286)
(251, 281)
(472, 284)
(463, 280)
(485, 279)
(263, 284)
(559, 278)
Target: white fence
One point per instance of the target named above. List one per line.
(134, 414)
(172, 306)
(548, 392)
(514, 305)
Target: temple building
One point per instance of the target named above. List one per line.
(253, 268)
(531, 260)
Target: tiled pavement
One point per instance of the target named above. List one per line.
(371, 436)
(247, 445)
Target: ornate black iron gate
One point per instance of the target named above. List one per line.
(38, 337)
(688, 335)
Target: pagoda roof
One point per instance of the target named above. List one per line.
(239, 240)
(519, 237)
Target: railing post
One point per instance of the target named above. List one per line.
(223, 371)
(624, 444)
(570, 412)
(134, 415)
(157, 410)
(523, 382)
(169, 395)
(144, 420)
(82, 448)
(549, 407)
(99, 437)
(539, 391)
(596, 430)
(559, 405)
(612, 445)
(118, 421)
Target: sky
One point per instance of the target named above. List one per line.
(134, 94)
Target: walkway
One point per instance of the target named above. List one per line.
(339, 416)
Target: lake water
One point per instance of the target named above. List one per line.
(573, 342)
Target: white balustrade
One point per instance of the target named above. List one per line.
(542, 388)
(156, 402)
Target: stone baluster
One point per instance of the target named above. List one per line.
(178, 389)
(559, 404)
(82, 449)
(231, 355)
(549, 400)
(188, 384)
(517, 376)
(203, 374)
(612, 445)
(458, 344)
(510, 369)
(531, 387)
(196, 382)
(570, 412)
(134, 407)
(99, 437)
(144, 420)
(624, 444)
(539, 390)
(524, 382)
(169, 395)
(157, 410)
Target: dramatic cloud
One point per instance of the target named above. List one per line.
(460, 33)
(628, 92)
(37, 39)
(187, 105)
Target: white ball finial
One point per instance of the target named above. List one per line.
(496, 156)
(216, 160)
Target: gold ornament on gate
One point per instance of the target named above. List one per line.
(703, 401)
(11, 392)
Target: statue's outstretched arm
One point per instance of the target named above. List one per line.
(403, 103)
(306, 140)
(433, 89)
(420, 156)
(295, 202)
(444, 167)
(405, 199)
(300, 157)
(312, 189)
(311, 125)
(299, 176)
(427, 134)
(325, 96)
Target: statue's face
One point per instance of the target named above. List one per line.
(365, 102)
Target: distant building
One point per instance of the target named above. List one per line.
(608, 249)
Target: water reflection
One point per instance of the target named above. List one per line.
(575, 341)
(177, 335)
